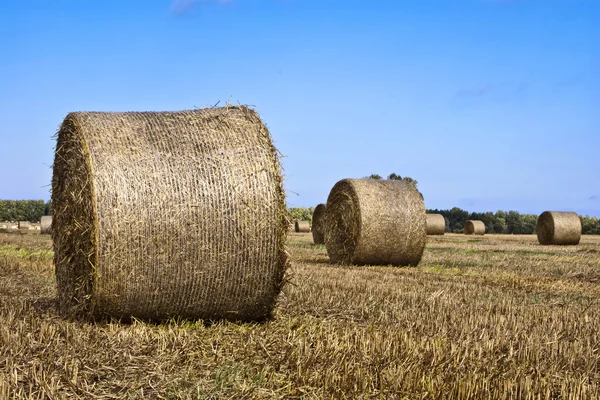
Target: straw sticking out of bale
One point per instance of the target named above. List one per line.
(213, 176)
(560, 228)
(318, 231)
(24, 224)
(436, 224)
(474, 227)
(376, 222)
(46, 225)
(302, 226)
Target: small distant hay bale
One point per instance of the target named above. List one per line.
(216, 246)
(318, 223)
(46, 225)
(436, 224)
(559, 228)
(377, 222)
(23, 224)
(474, 227)
(302, 227)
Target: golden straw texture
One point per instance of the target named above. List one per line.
(556, 227)
(168, 214)
(436, 224)
(318, 227)
(474, 227)
(46, 225)
(302, 226)
(376, 222)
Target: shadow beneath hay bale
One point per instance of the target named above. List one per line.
(51, 307)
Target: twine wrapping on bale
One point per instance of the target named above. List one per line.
(561, 228)
(46, 225)
(474, 227)
(436, 224)
(176, 214)
(23, 224)
(376, 222)
(302, 226)
(318, 231)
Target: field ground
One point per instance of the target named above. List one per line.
(495, 317)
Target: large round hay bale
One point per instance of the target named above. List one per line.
(474, 227)
(318, 223)
(302, 226)
(23, 224)
(46, 225)
(436, 224)
(556, 227)
(168, 214)
(375, 222)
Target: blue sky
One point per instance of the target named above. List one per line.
(489, 104)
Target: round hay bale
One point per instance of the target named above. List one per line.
(23, 224)
(212, 178)
(46, 225)
(302, 226)
(436, 224)
(377, 222)
(318, 227)
(556, 227)
(474, 227)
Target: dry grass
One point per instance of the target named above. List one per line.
(495, 315)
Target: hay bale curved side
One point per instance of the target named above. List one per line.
(436, 224)
(318, 223)
(214, 178)
(302, 227)
(23, 224)
(376, 222)
(474, 227)
(557, 227)
(46, 225)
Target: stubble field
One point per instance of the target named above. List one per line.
(481, 317)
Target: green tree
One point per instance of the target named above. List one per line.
(374, 176)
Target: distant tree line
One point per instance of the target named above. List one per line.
(24, 210)
(498, 222)
(506, 221)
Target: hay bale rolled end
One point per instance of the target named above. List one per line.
(558, 228)
(318, 224)
(302, 227)
(377, 222)
(212, 175)
(436, 224)
(23, 225)
(474, 227)
(46, 225)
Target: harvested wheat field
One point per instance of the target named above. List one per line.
(498, 316)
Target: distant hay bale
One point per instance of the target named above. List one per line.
(318, 231)
(23, 224)
(375, 222)
(474, 227)
(436, 224)
(560, 228)
(176, 214)
(302, 227)
(46, 225)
